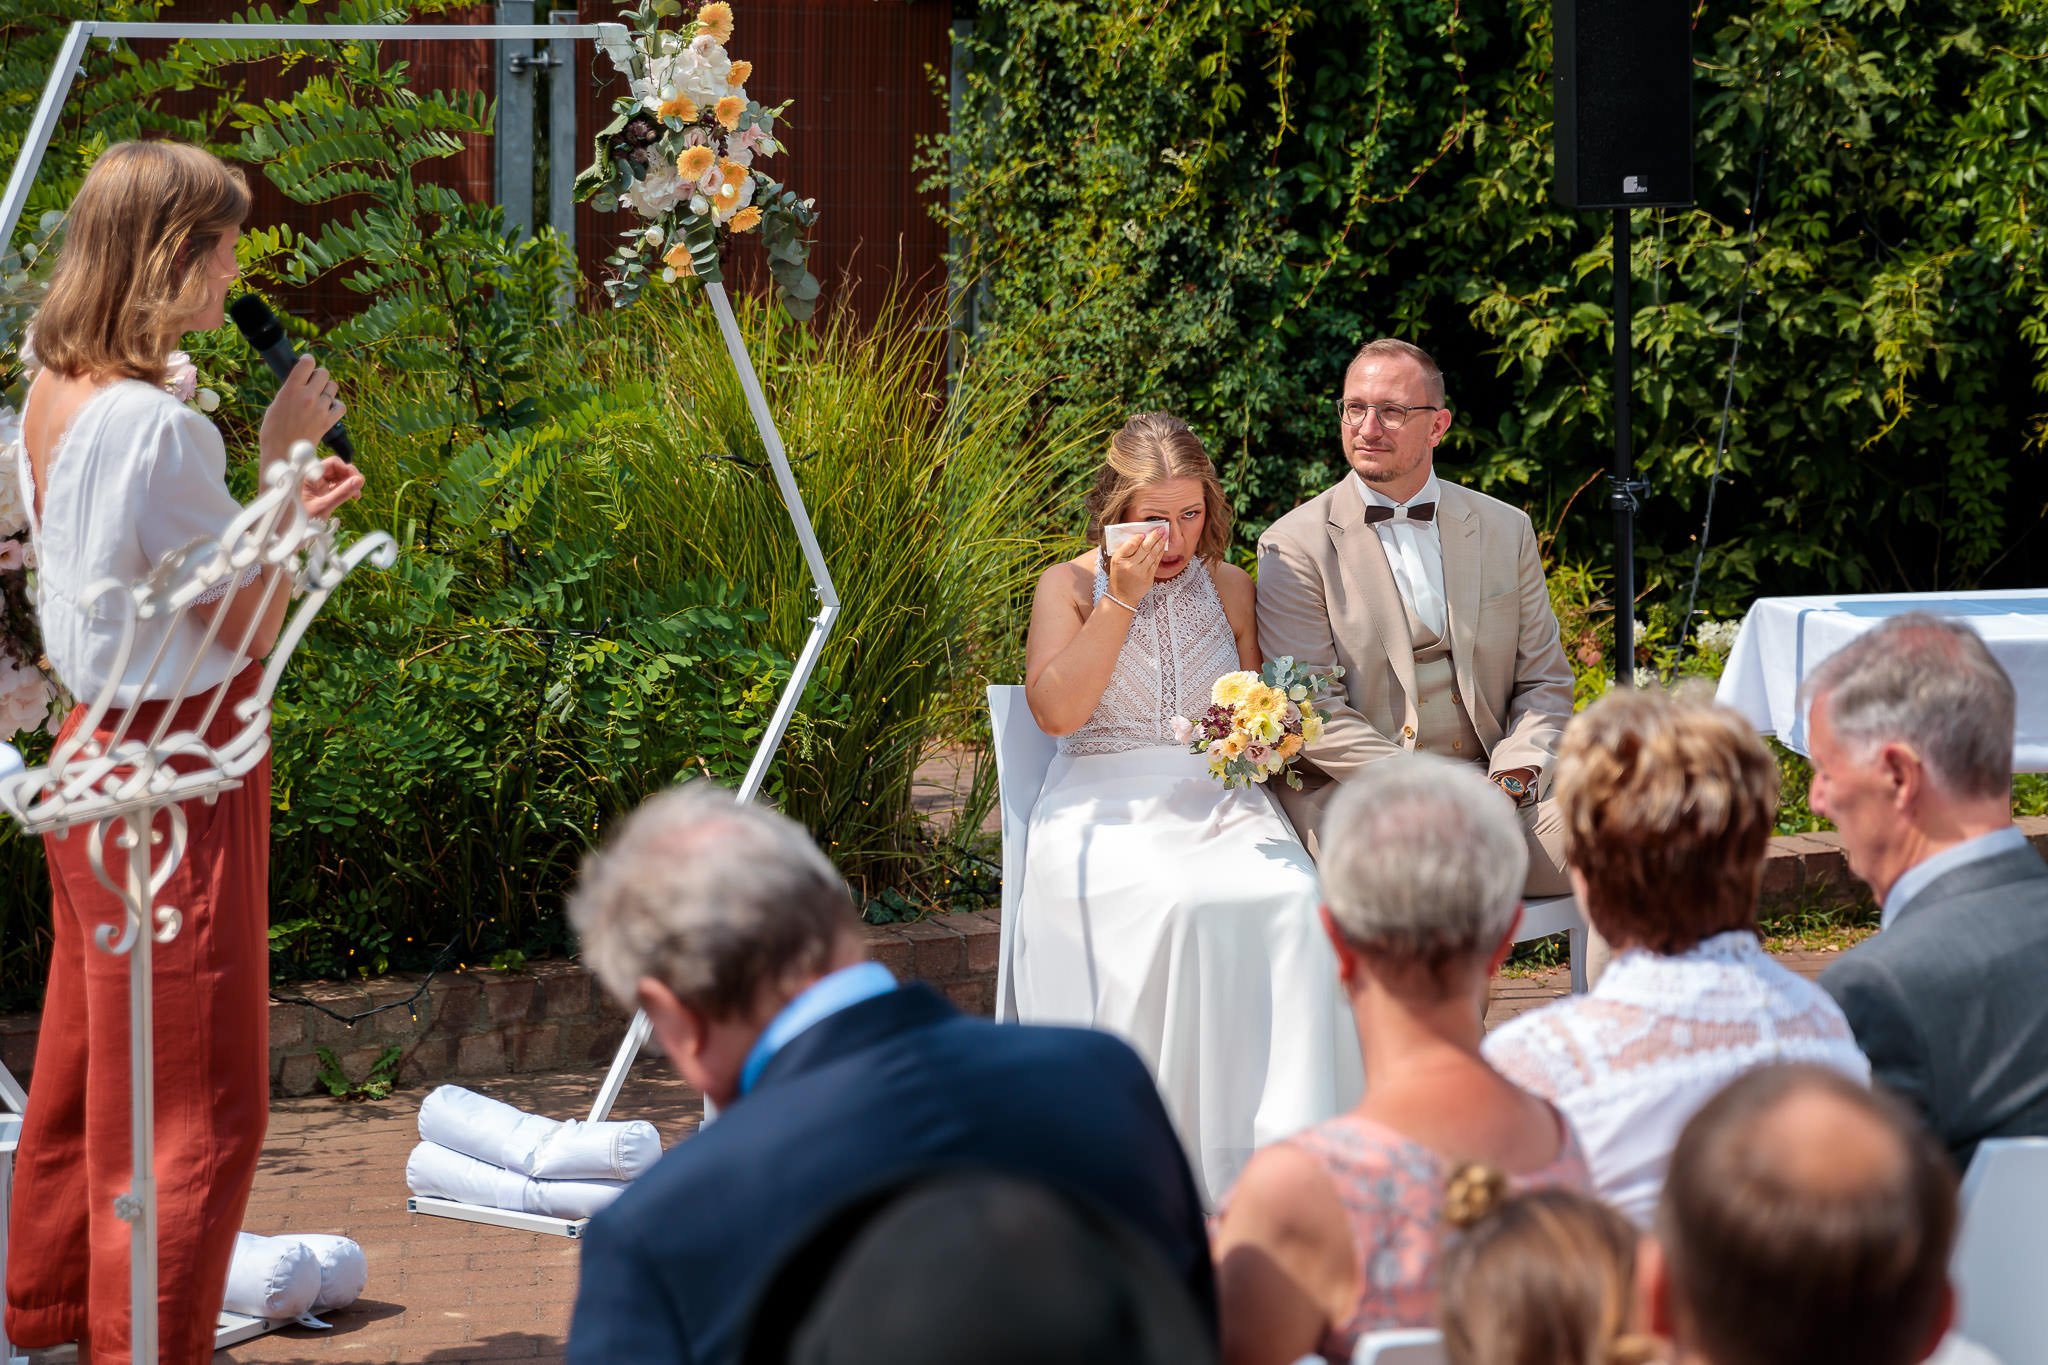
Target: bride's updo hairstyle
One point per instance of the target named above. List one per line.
(1154, 448)
(133, 263)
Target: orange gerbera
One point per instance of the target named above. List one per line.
(695, 162)
(680, 107)
(739, 74)
(678, 260)
(729, 110)
(716, 20)
(746, 220)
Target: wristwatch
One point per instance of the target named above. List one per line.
(1515, 787)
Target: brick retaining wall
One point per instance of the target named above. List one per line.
(551, 1016)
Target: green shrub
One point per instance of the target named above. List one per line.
(1208, 207)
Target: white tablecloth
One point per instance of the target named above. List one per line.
(1784, 639)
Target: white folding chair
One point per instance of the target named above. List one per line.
(1023, 753)
(1415, 1346)
(2001, 1248)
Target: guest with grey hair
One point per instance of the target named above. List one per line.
(733, 932)
(1335, 1231)
(1911, 732)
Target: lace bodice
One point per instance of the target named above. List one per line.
(1631, 1061)
(1180, 643)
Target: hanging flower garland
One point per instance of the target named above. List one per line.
(680, 154)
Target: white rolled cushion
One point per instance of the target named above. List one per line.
(446, 1174)
(547, 1149)
(344, 1270)
(271, 1277)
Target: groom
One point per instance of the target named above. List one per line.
(1431, 597)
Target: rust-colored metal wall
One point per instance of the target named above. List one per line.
(431, 66)
(867, 78)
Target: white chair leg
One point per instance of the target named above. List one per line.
(1577, 939)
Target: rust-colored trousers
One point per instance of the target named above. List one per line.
(67, 1263)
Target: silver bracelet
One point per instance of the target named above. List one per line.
(1109, 596)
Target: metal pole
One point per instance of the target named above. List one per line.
(41, 128)
(1623, 496)
(138, 1206)
(512, 130)
(562, 149)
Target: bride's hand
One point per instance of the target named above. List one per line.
(1132, 567)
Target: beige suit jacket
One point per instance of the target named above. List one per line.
(1327, 596)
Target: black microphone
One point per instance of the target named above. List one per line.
(266, 335)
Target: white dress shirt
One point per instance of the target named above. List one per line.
(1920, 875)
(1415, 551)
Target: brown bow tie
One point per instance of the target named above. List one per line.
(1421, 511)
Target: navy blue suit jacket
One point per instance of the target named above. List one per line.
(897, 1085)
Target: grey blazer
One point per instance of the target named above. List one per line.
(1951, 1002)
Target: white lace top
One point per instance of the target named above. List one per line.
(1633, 1059)
(1180, 643)
(136, 476)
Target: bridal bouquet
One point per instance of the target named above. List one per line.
(1257, 723)
(680, 154)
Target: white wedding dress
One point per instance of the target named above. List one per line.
(1178, 914)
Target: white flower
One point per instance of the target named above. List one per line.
(1183, 729)
(654, 236)
(209, 401)
(25, 696)
(10, 554)
(699, 205)
(181, 377)
(698, 71)
(657, 191)
(1716, 637)
(13, 507)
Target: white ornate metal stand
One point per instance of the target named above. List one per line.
(126, 794)
(611, 37)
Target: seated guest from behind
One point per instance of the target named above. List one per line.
(731, 930)
(1912, 738)
(1668, 803)
(1807, 1221)
(1542, 1278)
(970, 1268)
(1337, 1230)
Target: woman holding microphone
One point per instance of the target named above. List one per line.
(118, 474)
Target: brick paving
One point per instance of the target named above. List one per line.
(442, 1290)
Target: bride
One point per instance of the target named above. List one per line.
(1156, 903)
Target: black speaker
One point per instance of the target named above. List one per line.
(1621, 73)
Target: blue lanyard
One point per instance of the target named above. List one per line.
(820, 1000)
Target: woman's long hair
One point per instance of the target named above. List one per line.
(132, 266)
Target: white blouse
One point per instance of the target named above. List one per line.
(1632, 1060)
(136, 477)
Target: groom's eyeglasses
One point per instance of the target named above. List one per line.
(1393, 416)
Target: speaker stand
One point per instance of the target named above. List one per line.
(1625, 490)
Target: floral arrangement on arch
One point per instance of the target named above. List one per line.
(29, 698)
(1258, 723)
(680, 154)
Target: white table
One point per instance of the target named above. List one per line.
(1784, 639)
